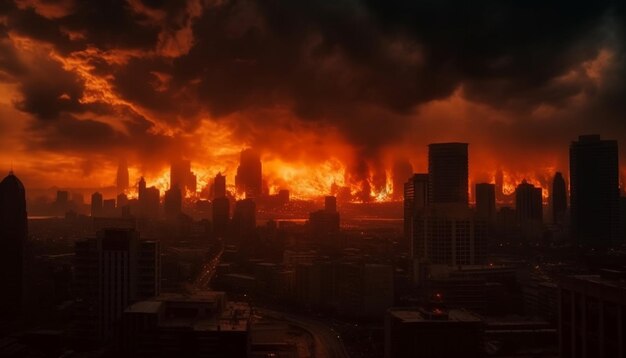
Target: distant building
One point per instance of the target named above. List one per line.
(529, 210)
(486, 201)
(244, 217)
(433, 333)
(204, 324)
(96, 204)
(182, 177)
(448, 173)
(559, 199)
(594, 190)
(108, 208)
(219, 186)
(122, 182)
(249, 178)
(415, 202)
(324, 224)
(149, 201)
(13, 236)
(173, 203)
(221, 216)
(112, 271)
(592, 317)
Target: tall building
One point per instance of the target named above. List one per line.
(13, 234)
(486, 201)
(330, 204)
(559, 199)
(592, 317)
(219, 186)
(122, 181)
(249, 179)
(415, 202)
(182, 177)
(324, 224)
(221, 216)
(594, 190)
(529, 210)
(96, 204)
(149, 200)
(448, 173)
(244, 217)
(112, 271)
(173, 203)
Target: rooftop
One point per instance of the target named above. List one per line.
(409, 315)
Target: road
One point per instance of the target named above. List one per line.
(208, 269)
(328, 343)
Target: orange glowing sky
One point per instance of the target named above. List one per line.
(332, 95)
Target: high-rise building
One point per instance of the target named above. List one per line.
(330, 204)
(559, 199)
(173, 203)
(324, 224)
(249, 179)
(96, 204)
(221, 216)
(486, 201)
(448, 173)
(219, 186)
(122, 181)
(529, 210)
(112, 271)
(594, 190)
(182, 177)
(13, 234)
(149, 200)
(415, 202)
(244, 217)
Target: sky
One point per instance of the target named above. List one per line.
(343, 92)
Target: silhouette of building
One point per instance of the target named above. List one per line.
(221, 216)
(594, 190)
(108, 208)
(112, 271)
(149, 200)
(415, 202)
(182, 177)
(122, 181)
(559, 199)
(486, 201)
(324, 224)
(13, 235)
(249, 179)
(244, 217)
(448, 173)
(173, 203)
(591, 315)
(433, 333)
(219, 186)
(529, 210)
(96, 204)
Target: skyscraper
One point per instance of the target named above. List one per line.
(122, 176)
(96, 204)
(221, 216)
(594, 190)
(219, 186)
(448, 173)
(249, 179)
(486, 201)
(149, 200)
(528, 202)
(112, 271)
(415, 202)
(559, 199)
(173, 203)
(13, 232)
(182, 177)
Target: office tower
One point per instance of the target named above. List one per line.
(594, 190)
(182, 177)
(244, 217)
(249, 179)
(528, 203)
(448, 173)
(559, 199)
(221, 216)
(591, 315)
(415, 202)
(122, 181)
(96, 204)
(173, 203)
(449, 235)
(486, 201)
(433, 333)
(330, 204)
(149, 200)
(112, 271)
(13, 234)
(219, 186)
(108, 208)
